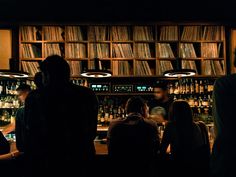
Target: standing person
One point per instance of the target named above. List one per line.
(133, 141)
(223, 153)
(189, 143)
(161, 100)
(61, 124)
(23, 91)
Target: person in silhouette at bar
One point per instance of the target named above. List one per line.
(133, 141)
(23, 92)
(61, 123)
(224, 148)
(188, 140)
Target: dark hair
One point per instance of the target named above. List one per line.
(135, 104)
(56, 68)
(180, 114)
(38, 80)
(24, 87)
(161, 85)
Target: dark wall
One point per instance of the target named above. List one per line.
(19, 11)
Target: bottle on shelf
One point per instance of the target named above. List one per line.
(184, 87)
(171, 89)
(201, 87)
(187, 87)
(181, 86)
(176, 89)
(1, 87)
(102, 119)
(196, 87)
(191, 86)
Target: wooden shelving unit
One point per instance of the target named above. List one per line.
(145, 49)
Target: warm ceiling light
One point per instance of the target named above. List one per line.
(179, 72)
(96, 72)
(12, 74)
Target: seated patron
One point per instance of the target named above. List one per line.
(133, 141)
(189, 143)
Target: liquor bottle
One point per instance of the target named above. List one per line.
(184, 87)
(102, 116)
(187, 87)
(8, 88)
(201, 87)
(1, 87)
(175, 98)
(181, 87)
(210, 87)
(196, 87)
(123, 113)
(200, 102)
(119, 112)
(191, 101)
(13, 88)
(111, 114)
(176, 91)
(191, 86)
(115, 110)
(171, 89)
(196, 103)
(205, 102)
(99, 114)
(206, 83)
(17, 85)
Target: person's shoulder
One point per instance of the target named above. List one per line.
(150, 122)
(116, 122)
(229, 79)
(200, 124)
(34, 94)
(81, 89)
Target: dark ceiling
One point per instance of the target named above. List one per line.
(117, 10)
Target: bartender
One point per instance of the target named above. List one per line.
(160, 103)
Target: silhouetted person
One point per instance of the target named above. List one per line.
(22, 92)
(133, 142)
(62, 124)
(223, 153)
(189, 143)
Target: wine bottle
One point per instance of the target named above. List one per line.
(171, 89)
(201, 87)
(196, 87)
(1, 87)
(191, 86)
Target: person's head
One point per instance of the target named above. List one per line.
(158, 113)
(161, 91)
(38, 80)
(55, 69)
(180, 112)
(22, 91)
(137, 105)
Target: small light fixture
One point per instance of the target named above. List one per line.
(96, 72)
(179, 72)
(13, 75)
